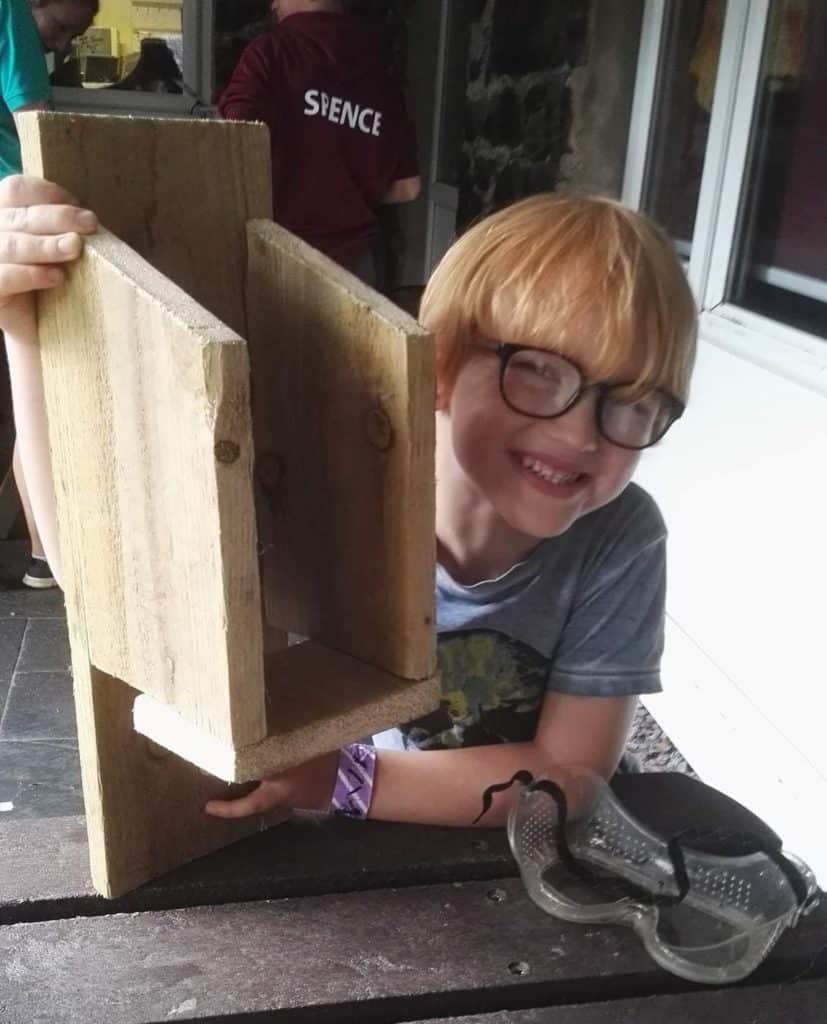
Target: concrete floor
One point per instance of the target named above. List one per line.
(39, 765)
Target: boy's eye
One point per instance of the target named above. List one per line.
(648, 410)
(533, 364)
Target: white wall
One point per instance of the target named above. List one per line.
(742, 483)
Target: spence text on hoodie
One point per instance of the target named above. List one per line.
(340, 132)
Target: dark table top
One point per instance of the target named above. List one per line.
(327, 920)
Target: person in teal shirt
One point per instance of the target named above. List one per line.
(28, 30)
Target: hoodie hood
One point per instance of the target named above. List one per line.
(352, 47)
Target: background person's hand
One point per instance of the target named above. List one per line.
(308, 787)
(41, 228)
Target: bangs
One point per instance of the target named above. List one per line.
(581, 276)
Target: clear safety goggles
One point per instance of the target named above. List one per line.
(702, 881)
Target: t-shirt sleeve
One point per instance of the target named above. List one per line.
(23, 75)
(612, 642)
(249, 93)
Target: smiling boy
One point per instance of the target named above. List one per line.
(565, 335)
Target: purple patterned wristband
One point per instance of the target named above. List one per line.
(354, 781)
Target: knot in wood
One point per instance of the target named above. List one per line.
(380, 429)
(270, 472)
(227, 451)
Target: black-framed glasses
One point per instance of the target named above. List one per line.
(542, 384)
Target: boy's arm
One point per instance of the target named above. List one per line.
(445, 787)
(40, 229)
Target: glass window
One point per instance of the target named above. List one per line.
(135, 45)
(780, 268)
(692, 45)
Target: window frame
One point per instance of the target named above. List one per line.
(198, 71)
(790, 352)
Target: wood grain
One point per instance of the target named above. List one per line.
(343, 421)
(179, 192)
(152, 452)
(317, 700)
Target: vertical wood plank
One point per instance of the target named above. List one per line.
(179, 192)
(343, 419)
(152, 454)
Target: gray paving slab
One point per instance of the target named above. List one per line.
(19, 602)
(45, 646)
(11, 639)
(39, 706)
(38, 779)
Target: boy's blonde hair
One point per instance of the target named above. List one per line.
(536, 272)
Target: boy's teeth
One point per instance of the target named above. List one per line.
(547, 473)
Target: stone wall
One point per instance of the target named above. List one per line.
(549, 95)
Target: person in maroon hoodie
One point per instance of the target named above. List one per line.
(341, 137)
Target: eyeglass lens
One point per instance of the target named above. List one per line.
(545, 384)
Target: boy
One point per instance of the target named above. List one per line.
(565, 341)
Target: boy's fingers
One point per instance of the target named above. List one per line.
(48, 220)
(15, 280)
(26, 190)
(16, 247)
(262, 799)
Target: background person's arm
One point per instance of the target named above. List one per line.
(403, 190)
(248, 95)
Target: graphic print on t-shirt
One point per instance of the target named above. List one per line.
(492, 689)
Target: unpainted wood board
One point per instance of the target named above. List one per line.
(803, 1002)
(144, 806)
(148, 403)
(46, 872)
(178, 191)
(428, 949)
(317, 700)
(404, 954)
(343, 418)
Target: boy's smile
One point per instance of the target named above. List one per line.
(506, 481)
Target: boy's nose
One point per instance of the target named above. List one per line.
(578, 426)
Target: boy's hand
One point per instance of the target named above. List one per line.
(41, 227)
(309, 787)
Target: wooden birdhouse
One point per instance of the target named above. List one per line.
(242, 441)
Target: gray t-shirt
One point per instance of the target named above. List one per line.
(583, 614)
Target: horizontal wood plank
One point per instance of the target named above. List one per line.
(803, 1002)
(317, 700)
(46, 872)
(405, 954)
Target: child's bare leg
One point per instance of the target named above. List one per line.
(23, 491)
(32, 446)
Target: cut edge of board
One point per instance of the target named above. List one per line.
(179, 304)
(273, 234)
(368, 701)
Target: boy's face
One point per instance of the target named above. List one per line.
(60, 21)
(537, 476)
